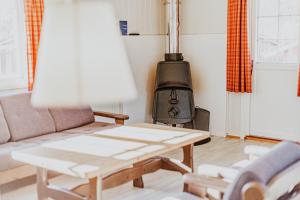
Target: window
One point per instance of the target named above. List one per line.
(278, 31)
(12, 45)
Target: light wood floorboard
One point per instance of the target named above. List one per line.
(220, 151)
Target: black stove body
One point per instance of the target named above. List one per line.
(173, 95)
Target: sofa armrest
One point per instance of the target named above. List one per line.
(195, 182)
(119, 118)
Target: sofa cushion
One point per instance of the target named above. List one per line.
(23, 120)
(7, 162)
(49, 138)
(4, 131)
(6, 149)
(90, 128)
(66, 118)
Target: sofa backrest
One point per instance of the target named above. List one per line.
(4, 131)
(23, 120)
(66, 118)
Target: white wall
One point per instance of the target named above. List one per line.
(206, 54)
(203, 44)
(275, 107)
(271, 111)
(144, 53)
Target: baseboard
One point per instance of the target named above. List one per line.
(254, 138)
(232, 137)
(262, 139)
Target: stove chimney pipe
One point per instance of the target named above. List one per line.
(173, 22)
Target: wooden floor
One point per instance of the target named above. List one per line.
(220, 151)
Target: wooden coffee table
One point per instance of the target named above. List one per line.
(109, 158)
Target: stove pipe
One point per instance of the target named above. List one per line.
(173, 22)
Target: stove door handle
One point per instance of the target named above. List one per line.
(173, 97)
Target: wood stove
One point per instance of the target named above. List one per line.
(173, 98)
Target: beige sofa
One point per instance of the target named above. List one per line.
(22, 126)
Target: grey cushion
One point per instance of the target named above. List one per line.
(4, 131)
(25, 121)
(66, 118)
(265, 168)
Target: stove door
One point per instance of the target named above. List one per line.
(173, 106)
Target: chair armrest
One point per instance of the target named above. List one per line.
(217, 171)
(119, 118)
(254, 151)
(193, 180)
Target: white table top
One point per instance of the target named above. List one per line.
(106, 151)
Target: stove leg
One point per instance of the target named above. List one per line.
(193, 124)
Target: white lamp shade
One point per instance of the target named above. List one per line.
(82, 59)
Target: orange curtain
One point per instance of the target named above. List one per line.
(34, 10)
(239, 66)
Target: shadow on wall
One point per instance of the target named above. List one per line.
(198, 79)
(150, 94)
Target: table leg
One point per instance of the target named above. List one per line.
(188, 160)
(138, 182)
(42, 182)
(95, 185)
(188, 156)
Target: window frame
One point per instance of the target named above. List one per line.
(11, 83)
(253, 27)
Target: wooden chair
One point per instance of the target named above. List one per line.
(210, 185)
(284, 186)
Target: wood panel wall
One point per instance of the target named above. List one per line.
(144, 16)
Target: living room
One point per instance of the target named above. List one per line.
(149, 99)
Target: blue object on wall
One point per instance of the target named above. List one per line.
(123, 27)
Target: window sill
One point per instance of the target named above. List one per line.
(13, 84)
